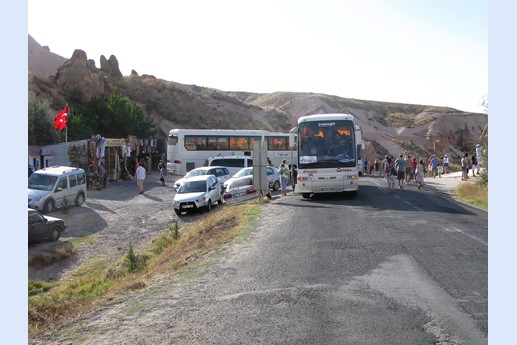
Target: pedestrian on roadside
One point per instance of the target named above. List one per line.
(400, 166)
(383, 165)
(294, 175)
(163, 172)
(445, 164)
(464, 167)
(140, 177)
(475, 167)
(283, 171)
(420, 173)
(365, 166)
(429, 167)
(434, 166)
(103, 175)
(407, 176)
(414, 164)
(376, 167)
(389, 173)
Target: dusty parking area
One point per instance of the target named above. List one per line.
(109, 220)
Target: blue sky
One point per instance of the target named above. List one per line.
(420, 52)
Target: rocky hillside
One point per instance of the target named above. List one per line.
(387, 127)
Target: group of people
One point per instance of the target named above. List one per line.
(468, 164)
(409, 169)
(404, 170)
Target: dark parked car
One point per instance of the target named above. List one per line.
(44, 227)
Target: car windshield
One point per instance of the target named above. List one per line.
(42, 182)
(193, 173)
(192, 187)
(243, 172)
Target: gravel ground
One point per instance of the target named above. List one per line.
(110, 219)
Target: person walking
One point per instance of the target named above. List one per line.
(445, 164)
(140, 177)
(414, 164)
(163, 172)
(464, 167)
(103, 175)
(434, 166)
(400, 166)
(294, 175)
(420, 173)
(389, 172)
(475, 167)
(407, 176)
(283, 171)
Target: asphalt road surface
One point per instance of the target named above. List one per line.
(409, 267)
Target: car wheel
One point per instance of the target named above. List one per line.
(276, 185)
(306, 195)
(49, 206)
(55, 235)
(79, 200)
(209, 206)
(178, 212)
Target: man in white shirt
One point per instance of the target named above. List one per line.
(140, 177)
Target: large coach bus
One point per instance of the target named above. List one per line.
(190, 148)
(327, 154)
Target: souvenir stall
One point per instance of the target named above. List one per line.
(120, 157)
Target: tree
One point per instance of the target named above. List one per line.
(41, 129)
(114, 117)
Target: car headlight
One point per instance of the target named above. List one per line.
(200, 200)
(36, 198)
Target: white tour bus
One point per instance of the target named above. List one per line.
(327, 153)
(360, 148)
(190, 148)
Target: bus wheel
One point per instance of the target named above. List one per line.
(306, 195)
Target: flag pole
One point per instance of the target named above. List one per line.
(67, 117)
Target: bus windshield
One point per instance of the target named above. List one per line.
(326, 144)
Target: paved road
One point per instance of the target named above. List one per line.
(380, 268)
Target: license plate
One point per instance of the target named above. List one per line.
(327, 189)
(239, 194)
(187, 206)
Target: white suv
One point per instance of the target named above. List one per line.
(55, 187)
(198, 192)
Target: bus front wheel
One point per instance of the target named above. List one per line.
(306, 195)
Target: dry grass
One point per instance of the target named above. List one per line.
(54, 253)
(101, 281)
(473, 193)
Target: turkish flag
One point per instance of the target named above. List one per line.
(61, 119)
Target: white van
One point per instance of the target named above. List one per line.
(232, 163)
(55, 187)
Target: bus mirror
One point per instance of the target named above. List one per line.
(291, 139)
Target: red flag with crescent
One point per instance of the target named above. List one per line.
(61, 119)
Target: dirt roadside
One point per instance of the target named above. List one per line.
(108, 221)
